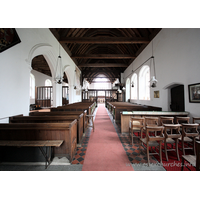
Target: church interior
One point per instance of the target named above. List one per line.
(99, 100)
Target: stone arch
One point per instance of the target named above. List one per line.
(47, 51)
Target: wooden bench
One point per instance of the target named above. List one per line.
(63, 113)
(116, 108)
(39, 143)
(192, 159)
(53, 119)
(81, 106)
(44, 131)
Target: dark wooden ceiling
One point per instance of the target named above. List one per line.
(107, 51)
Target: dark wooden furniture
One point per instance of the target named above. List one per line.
(44, 131)
(63, 113)
(80, 106)
(153, 141)
(192, 159)
(53, 119)
(39, 143)
(116, 108)
(136, 125)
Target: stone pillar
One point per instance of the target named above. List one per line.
(57, 95)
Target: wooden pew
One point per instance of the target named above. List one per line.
(117, 107)
(53, 119)
(80, 106)
(64, 113)
(44, 131)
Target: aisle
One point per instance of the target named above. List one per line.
(105, 151)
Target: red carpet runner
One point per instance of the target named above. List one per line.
(105, 151)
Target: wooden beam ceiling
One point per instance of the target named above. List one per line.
(103, 65)
(104, 56)
(104, 40)
(107, 51)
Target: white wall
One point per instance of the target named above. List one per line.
(15, 68)
(177, 60)
(40, 78)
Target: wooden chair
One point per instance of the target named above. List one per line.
(191, 159)
(171, 133)
(136, 124)
(196, 120)
(189, 133)
(155, 141)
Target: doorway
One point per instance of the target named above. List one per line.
(177, 99)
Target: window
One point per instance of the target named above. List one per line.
(48, 82)
(144, 84)
(134, 89)
(32, 86)
(127, 89)
(47, 93)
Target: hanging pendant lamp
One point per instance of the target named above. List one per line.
(59, 77)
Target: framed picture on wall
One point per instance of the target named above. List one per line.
(156, 94)
(194, 93)
(8, 38)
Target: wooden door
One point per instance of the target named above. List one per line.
(177, 98)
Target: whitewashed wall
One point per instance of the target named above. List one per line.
(15, 68)
(177, 60)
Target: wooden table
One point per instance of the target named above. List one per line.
(126, 116)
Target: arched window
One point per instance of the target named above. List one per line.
(127, 89)
(134, 86)
(144, 85)
(48, 82)
(32, 86)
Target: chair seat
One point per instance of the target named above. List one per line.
(186, 139)
(191, 159)
(151, 143)
(134, 123)
(170, 140)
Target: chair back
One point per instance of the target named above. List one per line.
(136, 122)
(166, 120)
(172, 130)
(156, 129)
(180, 120)
(190, 130)
(151, 121)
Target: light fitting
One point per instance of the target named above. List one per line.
(59, 73)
